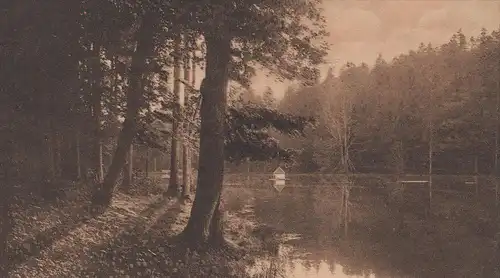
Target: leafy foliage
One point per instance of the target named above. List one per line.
(248, 134)
(452, 88)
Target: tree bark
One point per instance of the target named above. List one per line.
(148, 154)
(78, 158)
(8, 175)
(497, 138)
(173, 183)
(51, 171)
(216, 226)
(212, 134)
(186, 154)
(191, 158)
(145, 47)
(126, 181)
(57, 154)
(131, 164)
(96, 113)
(5, 223)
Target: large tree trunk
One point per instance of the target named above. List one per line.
(145, 47)
(173, 183)
(217, 228)
(212, 134)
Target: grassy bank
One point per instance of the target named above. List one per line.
(135, 237)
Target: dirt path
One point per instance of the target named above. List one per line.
(131, 239)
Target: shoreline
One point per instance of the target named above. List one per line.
(135, 237)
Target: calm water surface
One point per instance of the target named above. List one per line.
(388, 235)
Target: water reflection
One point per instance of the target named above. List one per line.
(288, 267)
(389, 236)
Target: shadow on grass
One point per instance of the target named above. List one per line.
(33, 246)
(156, 252)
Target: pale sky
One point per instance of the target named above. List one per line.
(361, 29)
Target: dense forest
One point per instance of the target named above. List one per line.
(91, 91)
(95, 94)
(438, 101)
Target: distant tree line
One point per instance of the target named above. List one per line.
(434, 102)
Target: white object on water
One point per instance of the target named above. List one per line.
(413, 181)
(279, 179)
(279, 174)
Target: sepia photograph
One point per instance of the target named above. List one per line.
(250, 139)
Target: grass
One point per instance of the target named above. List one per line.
(135, 237)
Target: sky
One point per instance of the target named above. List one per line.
(361, 29)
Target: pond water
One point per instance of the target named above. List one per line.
(387, 235)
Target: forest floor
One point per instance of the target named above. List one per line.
(135, 237)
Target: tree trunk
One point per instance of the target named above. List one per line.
(126, 181)
(78, 158)
(131, 164)
(148, 154)
(145, 47)
(497, 138)
(128, 166)
(186, 159)
(8, 170)
(96, 113)
(186, 171)
(5, 224)
(217, 228)
(431, 151)
(57, 154)
(51, 171)
(212, 134)
(173, 183)
(191, 158)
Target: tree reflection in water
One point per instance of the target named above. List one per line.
(388, 237)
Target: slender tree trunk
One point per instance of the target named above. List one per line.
(5, 222)
(173, 183)
(131, 164)
(97, 75)
(186, 153)
(148, 154)
(126, 182)
(497, 135)
(476, 176)
(145, 47)
(78, 158)
(431, 152)
(248, 171)
(191, 157)
(8, 175)
(57, 154)
(128, 168)
(212, 134)
(51, 171)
